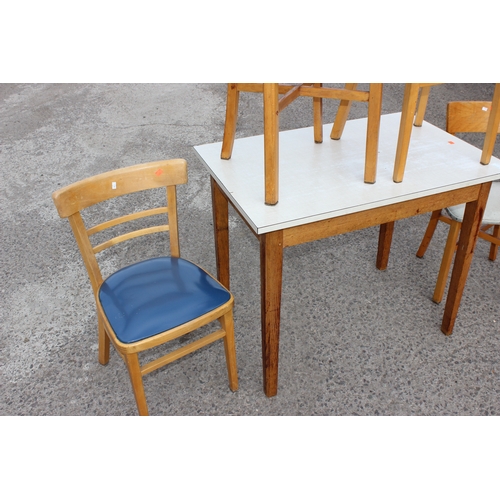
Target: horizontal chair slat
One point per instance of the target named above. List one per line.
(126, 218)
(179, 353)
(129, 236)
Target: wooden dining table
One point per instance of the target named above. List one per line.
(323, 194)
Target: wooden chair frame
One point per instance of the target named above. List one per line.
(273, 105)
(414, 105)
(465, 117)
(71, 200)
(411, 113)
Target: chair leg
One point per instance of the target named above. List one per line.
(407, 115)
(494, 246)
(444, 270)
(342, 114)
(271, 143)
(372, 134)
(103, 341)
(318, 117)
(227, 324)
(422, 106)
(134, 370)
(429, 233)
(233, 96)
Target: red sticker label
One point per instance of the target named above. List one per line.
(159, 172)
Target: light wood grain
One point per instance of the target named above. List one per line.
(271, 143)
(232, 102)
(410, 99)
(372, 133)
(407, 114)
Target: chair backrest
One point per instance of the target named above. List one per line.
(467, 116)
(71, 200)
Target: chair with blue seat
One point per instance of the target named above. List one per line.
(467, 117)
(153, 301)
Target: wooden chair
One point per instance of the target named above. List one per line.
(153, 301)
(273, 105)
(467, 116)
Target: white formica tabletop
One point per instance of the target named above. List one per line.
(321, 181)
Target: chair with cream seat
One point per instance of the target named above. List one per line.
(465, 117)
(156, 300)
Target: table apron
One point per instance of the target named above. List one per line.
(376, 216)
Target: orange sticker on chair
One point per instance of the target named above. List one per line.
(159, 172)
(451, 142)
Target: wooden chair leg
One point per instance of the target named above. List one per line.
(374, 111)
(494, 246)
(103, 341)
(444, 270)
(342, 114)
(429, 233)
(318, 117)
(227, 324)
(492, 128)
(271, 142)
(407, 115)
(233, 96)
(422, 106)
(134, 370)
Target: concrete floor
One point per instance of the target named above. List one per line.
(354, 340)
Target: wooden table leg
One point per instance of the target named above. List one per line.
(271, 270)
(220, 211)
(271, 139)
(471, 224)
(384, 245)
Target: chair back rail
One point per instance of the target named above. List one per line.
(71, 200)
(468, 116)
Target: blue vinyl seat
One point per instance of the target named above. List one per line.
(149, 297)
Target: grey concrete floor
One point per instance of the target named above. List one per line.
(354, 340)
